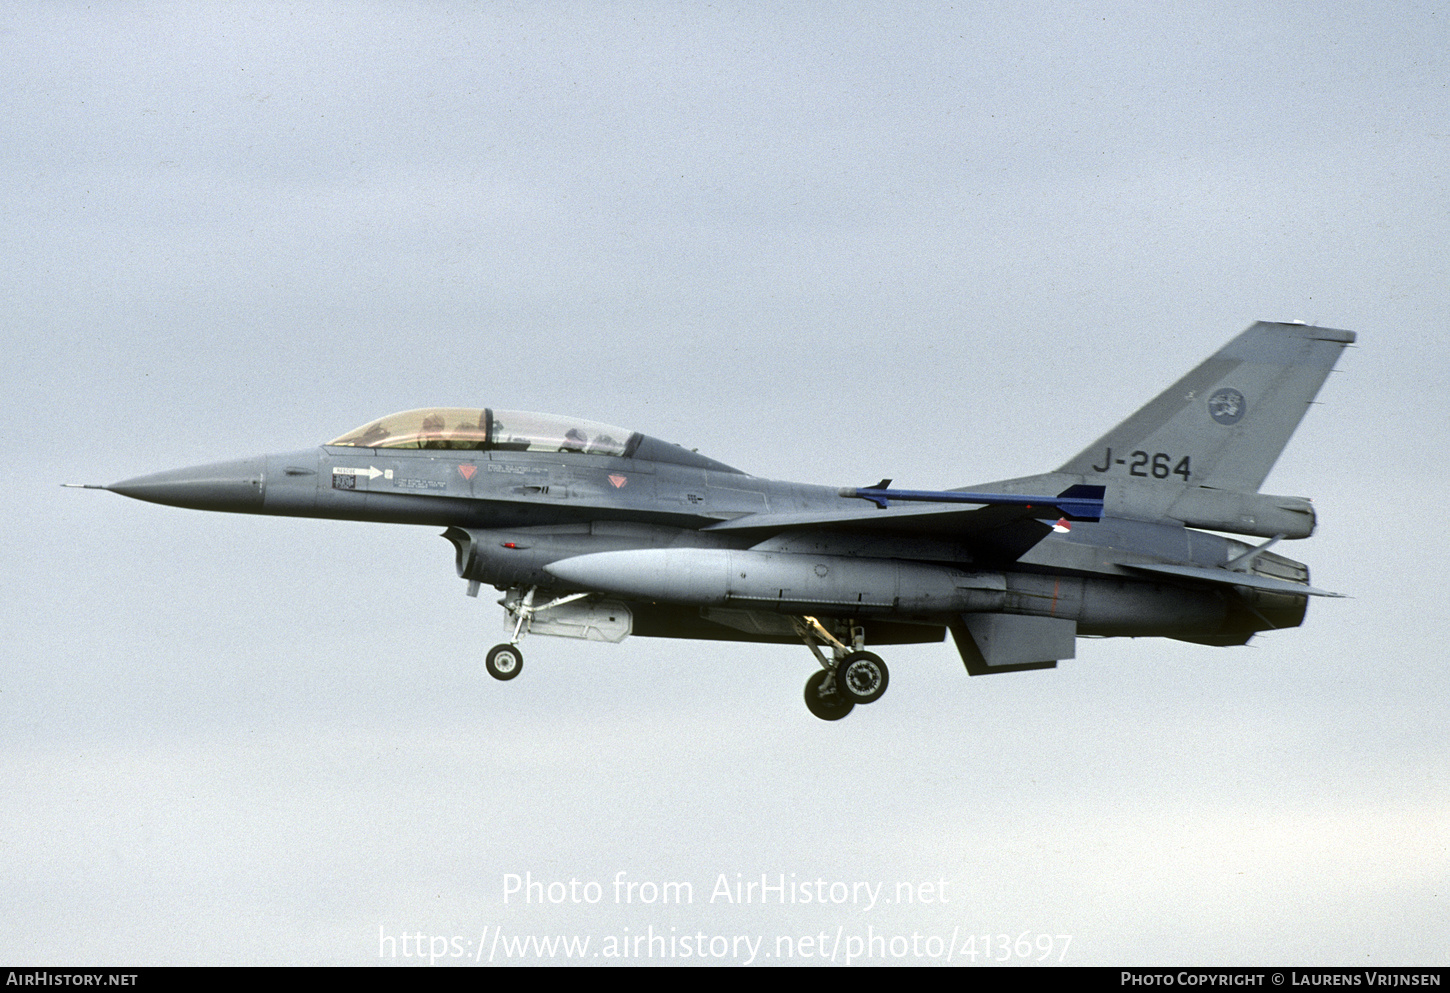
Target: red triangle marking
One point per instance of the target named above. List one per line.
(617, 480)
(468, 470)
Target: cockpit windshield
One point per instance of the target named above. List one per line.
(473, 429)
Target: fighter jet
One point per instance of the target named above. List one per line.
(599, 532)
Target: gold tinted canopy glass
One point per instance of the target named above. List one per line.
(485, 429)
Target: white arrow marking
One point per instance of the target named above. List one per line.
(371, 472)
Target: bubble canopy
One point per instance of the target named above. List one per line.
(486, 429)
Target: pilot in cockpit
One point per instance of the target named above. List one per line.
(431, 434)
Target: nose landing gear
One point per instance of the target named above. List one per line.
(506, 661)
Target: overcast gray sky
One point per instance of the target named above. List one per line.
(941, 243)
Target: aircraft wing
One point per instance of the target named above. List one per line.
(904, 520)
(1002, 532)
(946, 513)
(1224, 577)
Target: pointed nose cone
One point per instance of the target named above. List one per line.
(231, 486)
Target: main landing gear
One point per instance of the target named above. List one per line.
(849, 677)
(506, 661)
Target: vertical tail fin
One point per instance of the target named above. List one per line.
(1224, 424)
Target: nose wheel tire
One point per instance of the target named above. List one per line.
(862, 677)
(827, 706)
(504, 661)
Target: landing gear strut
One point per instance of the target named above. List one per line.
(849, 677)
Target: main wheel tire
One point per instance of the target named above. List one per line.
(862, 677)
(829, 706)
(504, 661)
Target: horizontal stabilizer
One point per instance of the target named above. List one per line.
(1225, 578)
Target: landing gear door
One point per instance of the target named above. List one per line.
(590, 620)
